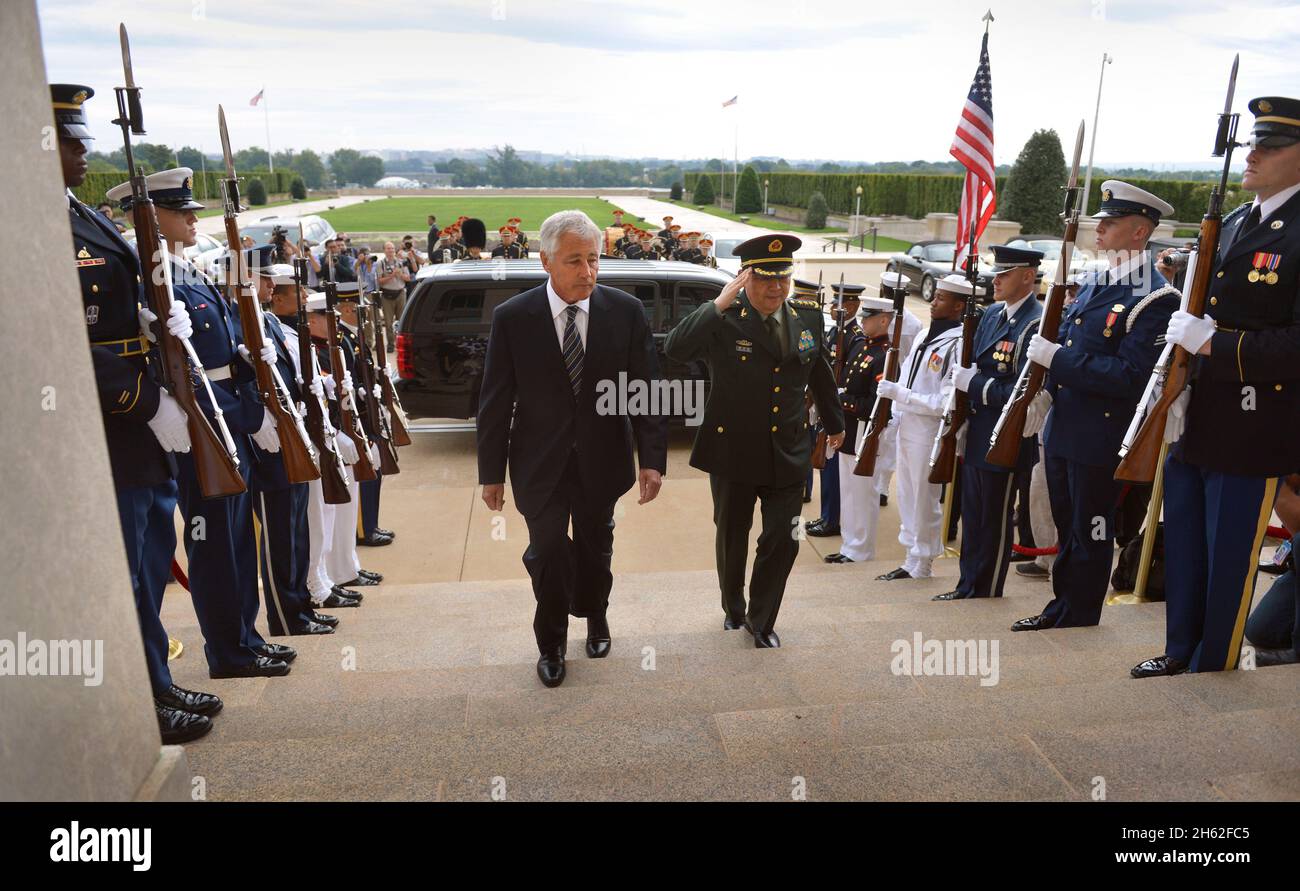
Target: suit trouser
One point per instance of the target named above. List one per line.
(222, 565)
(985, 530)
(149, 533)
(808, 483)
(341, 563)
(733, 515)
(1214, 527)
(369, 510)
(571, 576)
(859, 510)
(1040, 511)
(1083, 505)
(320, 531)
(918, 506)
(830, 491)
(282, 555)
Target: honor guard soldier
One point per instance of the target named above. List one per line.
(448, 249)
(1098, 364)
(620, 246)
(691, 252)
(142, 422)
(919, 397)
(507, 249)
(633, 250)
(219, 540)
(706, 249)
(474, 235)
(865, 362)
(1223, 470)
(666, 233)
(618, 218)
(1000, 343)
(806, 290)
(846, 299)
(521, 237)
(763, 354)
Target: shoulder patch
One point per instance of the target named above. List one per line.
(1236, 212)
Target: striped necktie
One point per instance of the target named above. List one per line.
(573, 352)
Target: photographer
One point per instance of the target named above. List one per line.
(412, 260)
(1172, 263)
(336, 265)
(366, 269)
(393, 275)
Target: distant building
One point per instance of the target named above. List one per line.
(396, 182)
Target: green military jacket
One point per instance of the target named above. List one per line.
(755, 426)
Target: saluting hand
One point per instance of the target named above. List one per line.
(732, 290)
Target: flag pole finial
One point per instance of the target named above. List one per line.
(988, 17)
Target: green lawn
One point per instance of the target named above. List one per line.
(408, 214)
(757, 219)
(214, 205)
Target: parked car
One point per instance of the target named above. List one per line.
(928, 261)
(722, 249)
(1050, 245)
(443, 333)
(314, 228)
(203, 253)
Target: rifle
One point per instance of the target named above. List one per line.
(334, 475)
(295, 445)
(216, 460)
(379, 428)
(349, 423)
(396, 416)
(819, 444)
(1142, 444)
(1004, 443)
(943, 457)
(881, 409)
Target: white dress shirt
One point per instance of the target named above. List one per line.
(1011, 308)
(1270, 207)
(561, 318)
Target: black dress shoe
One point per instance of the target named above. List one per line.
(821, 530)
(374, 540)
(348, 594)
(389, 532)
(550, 667)
(884, 501)
(189, 701)
(358, 582)
(1032, 623)
(1267, 658)
(894, 575)
(1160, 666)
(334, 600)
(322, 619)
(763, 640)
(279, 651)
(263, 667)
(730, 624)
(947, 595)
(314, 628)
(1032, 570)
(598, 639)
(375, 577)
(836, 558)
(177, 726)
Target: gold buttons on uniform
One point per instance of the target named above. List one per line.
(776, 370)
(1108, 414)
(1220, 275)
(1069, 343)
(94, 289)
(1078, 321)
(1214, 301)
(1277, 387)
(743, 358)
(774, 409)
(719, 429)
(773, 428)
(776, 389)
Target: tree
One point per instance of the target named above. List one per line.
(703, 190)
(506, 169)
(251, 159)
(190, 157)
(298, 189)
(156, 155)
(311, 168)
(367, 171)
(675, 193)
(256, 192)
(817, 210)
(749, 195)
(1032, 196)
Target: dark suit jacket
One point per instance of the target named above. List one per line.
(529, 418)
(995, 378)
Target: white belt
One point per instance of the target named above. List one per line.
(221, 373)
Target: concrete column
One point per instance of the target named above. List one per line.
(66, 575)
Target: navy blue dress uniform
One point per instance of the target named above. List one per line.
(1109, 341)
(753, 441)
(986, 489)
(828, 523)
(512, 251)
(218, 532)
(109, 275)
(1243, 421)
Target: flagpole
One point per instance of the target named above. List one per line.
(266, 114)
(1092, 144)
(735, 158)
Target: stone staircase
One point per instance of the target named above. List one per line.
(429, 692)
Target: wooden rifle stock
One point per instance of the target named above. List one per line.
(397, 416)
(333, 474)
(381, 434)
(945, 463)
(881, 410)
(349, 423)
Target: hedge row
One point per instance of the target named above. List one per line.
(915, 195)
(207, 187)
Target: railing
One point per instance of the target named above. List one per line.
(861, 239)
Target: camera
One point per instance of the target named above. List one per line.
(1178, 259)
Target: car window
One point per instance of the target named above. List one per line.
(648, 294)
(915, 251)
(940, 253)
(687, 298)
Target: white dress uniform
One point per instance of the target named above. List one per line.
(887, 460)
(925, 372)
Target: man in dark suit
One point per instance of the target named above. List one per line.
(764, 354)
(1240, 436)
(999, 352)
(549, 350)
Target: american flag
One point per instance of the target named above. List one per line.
(973, 147)
(731, 101)
(258, 98)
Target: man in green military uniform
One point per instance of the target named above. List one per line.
(763, 354)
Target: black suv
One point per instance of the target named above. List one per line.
(443, 333)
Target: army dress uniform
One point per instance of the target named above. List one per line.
(1000, 342)
(1109, 341)
(1243, 422)
(753, 441)
(508, 252)
(129, 394)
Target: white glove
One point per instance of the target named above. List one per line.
(373, 454)
(1190, 332)
(266, 438)
(379, 393)
(1036, 416)
(317, 388)
(347, 382)
(961, 376)
(1176, 420)
(893, 390)
(347, 448)
(178, 321)
(170, 425)
(266, 354)
(327, 381)
(1041, 350)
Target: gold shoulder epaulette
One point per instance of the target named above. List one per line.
(805, 304)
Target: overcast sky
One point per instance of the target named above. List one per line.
(631, 78)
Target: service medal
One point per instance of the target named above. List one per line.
(1252, 276)
(1271, 278)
